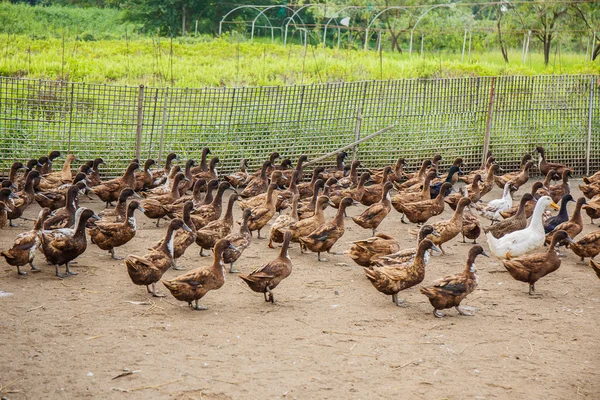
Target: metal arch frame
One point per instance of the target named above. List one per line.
(335, 18)
(256, 8)
(291, 18)
(380, 13)
(263, 13)
(449, 5)
(301, 28)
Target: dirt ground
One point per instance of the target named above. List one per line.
(329, 335)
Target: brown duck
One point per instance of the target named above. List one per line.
(120, 211)
(515, 223)
(449, 229)
(376, 213)
(258, 184)
(25, 245)
(392, 279)
(472, 191)
(411, 197)
(262, 214)
(61, 246)
(108, 235)
(325, 236)
(210, 212)
(420, 212)
(587, 246)
(364, 252)
(240, 241)
(268, 276)
(214, 231)
(532, 267)
(64, 217)
(450, 291)
(183, 238)
(372, 194)
(573, 226)
(545, 166)
(143, 178)
(109, 190)
(529, 206)
(240, 178)
(194, 285)
(149, 268)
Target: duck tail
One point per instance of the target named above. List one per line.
(429, 292)
(596, 267)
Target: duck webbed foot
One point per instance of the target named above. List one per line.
(438, 314)
(232, 270)
(397, 301)
(463, 312)
(69, 272)
(34, 268)
(112, 254)
(154, 292)
(198, 307)
(59, 274)
(319, 257)
(178, 267)
(21, 273)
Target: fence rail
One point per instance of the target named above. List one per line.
(463, 116)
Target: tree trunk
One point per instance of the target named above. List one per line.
(183, 13)
(547, 42)
(502, 47)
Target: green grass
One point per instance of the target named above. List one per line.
(216, 62)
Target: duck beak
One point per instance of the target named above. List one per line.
(232, 247)
(435, 233)
(435, 248)
(13, 186)
(483, 253)
(355, 203)
(554, 206)
(568, 239)
(136, 196)
(461, 172)
(95, 217)
(141, 209)
(331, 203)
(13, 196)
(77, 160)
(186, 179)
(186, 228)
(52, 213)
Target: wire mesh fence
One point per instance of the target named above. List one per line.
(453, 117)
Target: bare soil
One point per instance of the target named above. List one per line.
(330, 334)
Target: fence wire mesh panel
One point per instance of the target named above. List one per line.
(447, 116)
(551, 111)
(429, 116)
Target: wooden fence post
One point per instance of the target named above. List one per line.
(162, 127)
(589, 138)
(488, 123)
(70, 117)
(140, 121)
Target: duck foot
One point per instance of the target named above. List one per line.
(463, 312)
(178, 267)
(21, 273)
(198, 307)
(232, 270)
(202, 253)
(34, 268)
(270, 296)
(321, 259)
(154, 292)
(113, 256)
(62, 276)
(397, 301)
(438, 314)
(12, 224)
(69, 272)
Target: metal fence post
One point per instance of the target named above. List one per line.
(140, 121)
(357, 133)
(162, 127)
(589, 138)
(488, 123)
(70, 117)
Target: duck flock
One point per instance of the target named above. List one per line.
(190, 198)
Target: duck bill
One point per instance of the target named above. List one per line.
(554, 206)
(569, 240)
(483, 253)
(95, 217)
(232, 247)
(141, 209)
(436, 249)
(186, 228)
(435, 233)
(136, 196)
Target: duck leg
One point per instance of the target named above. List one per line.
(531, 289)
(402, 219)
(20, 272)
(158, 222)
(397, 301)
(463, 312)
(442, 249)
(438, 314)
(232, 270)
(33, 267)
(202, 253)
(374, 231)
(197, 306)
(259, 234)
(58, 273)
(177, 267)
(271, 244)
(319, 257)
(12, 224)
(69, 272)
(112, 254)
(266, 296)
(271, 297)
(154, 292)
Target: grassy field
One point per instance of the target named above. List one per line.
(217, 62)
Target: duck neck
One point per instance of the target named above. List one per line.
(293, 184)
(208, 199)
(458, 213)
(187, 218)
(217, 264)
(294, 212)
(340, 163)
(203, 165)
(440, 196)
(175, 189)
(521, 209)
(353, 173)
(489, 180)
(547, 179)
(29, 186)
(219, 197)
(229, 212)
(506, 195)
(563, 208)
(541, 158)
(13, 174)
(283, 254)
(576, 216)
(71, 199)
(129, 178)
(120, 209)
(130, 218)
(399, 168)
(244, 227)
(426, 191)
(270, 202)
(188, 171)
(39, 222)
(66, 169)
(167, 168)
(47, 167)
(167, 243)
(319, 212)
(419, 261)
(536, 218)
(339, 216)
(421, 173)
(263, 172)
(197, 194)
(80, 227)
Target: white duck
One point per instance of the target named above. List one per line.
(521, 242)
(493, 209)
